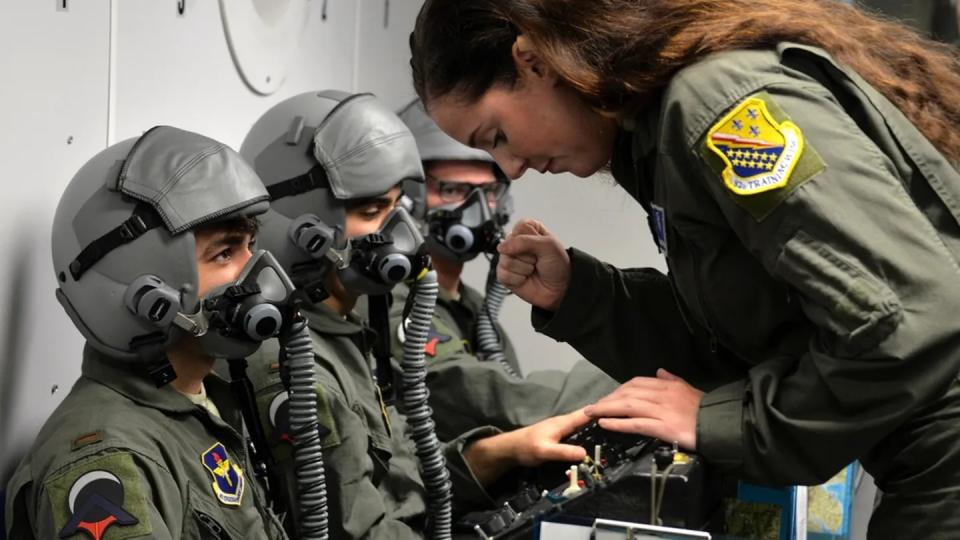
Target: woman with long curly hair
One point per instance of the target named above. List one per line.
(798, 163)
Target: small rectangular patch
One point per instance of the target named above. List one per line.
(86, 440)
(658, 222)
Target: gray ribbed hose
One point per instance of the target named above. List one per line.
(489, 344)
(435, 475)
(304, 427)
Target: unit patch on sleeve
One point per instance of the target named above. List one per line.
(760, 154)
(100, 499)
(279, 432)
(435, 340)
(227, 476)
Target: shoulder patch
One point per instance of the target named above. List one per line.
(435, 339)
(759, 153)
(275, 409)
(440, 340)
(100, 499)
(228, 482)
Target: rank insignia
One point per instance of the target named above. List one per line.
(227, 476)
(760, 153)
(95, 502)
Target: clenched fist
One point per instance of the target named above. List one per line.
(534, 265)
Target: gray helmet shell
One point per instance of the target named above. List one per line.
(435, 145)
(188, 180)
(432, 143)
(363, 149)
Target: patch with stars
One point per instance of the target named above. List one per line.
(760, 153)
(100, 499)
(228, 480)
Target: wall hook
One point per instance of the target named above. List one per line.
(181, 6)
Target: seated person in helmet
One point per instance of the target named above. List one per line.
(149, 443)
(464, 204)
(333, 164)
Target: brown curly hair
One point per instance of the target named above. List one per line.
(619, 53)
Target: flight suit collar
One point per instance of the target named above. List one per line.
(128, 380)
(646, 128)
(465, 296)
(132, 382)
(325, 320)
(634, 154)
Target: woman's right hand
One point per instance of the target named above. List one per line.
(534, 265)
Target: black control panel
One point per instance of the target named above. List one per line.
(625, 477)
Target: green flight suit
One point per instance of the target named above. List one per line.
(466, 392)
(374, 488)
(128, 459)
(821, 316)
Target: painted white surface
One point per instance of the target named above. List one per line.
(53, 112)
(178, 70)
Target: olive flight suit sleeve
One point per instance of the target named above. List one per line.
(872, 275)
(465, 392)
(152, 505)
(627, 323)
(468, 493)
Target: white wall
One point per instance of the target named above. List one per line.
(53, 117)
(104, 70)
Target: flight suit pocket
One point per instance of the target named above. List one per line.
(203, 519)
(380, 454)
(859, 309)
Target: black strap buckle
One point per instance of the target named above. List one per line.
(143, 219)
(132, 228)
(313, 179)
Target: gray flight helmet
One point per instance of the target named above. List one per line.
(435, 145)
(314, 152)
(129, 215)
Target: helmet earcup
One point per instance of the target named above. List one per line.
(150, 298)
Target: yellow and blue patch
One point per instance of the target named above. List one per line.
(760, 153)
(228, 480)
